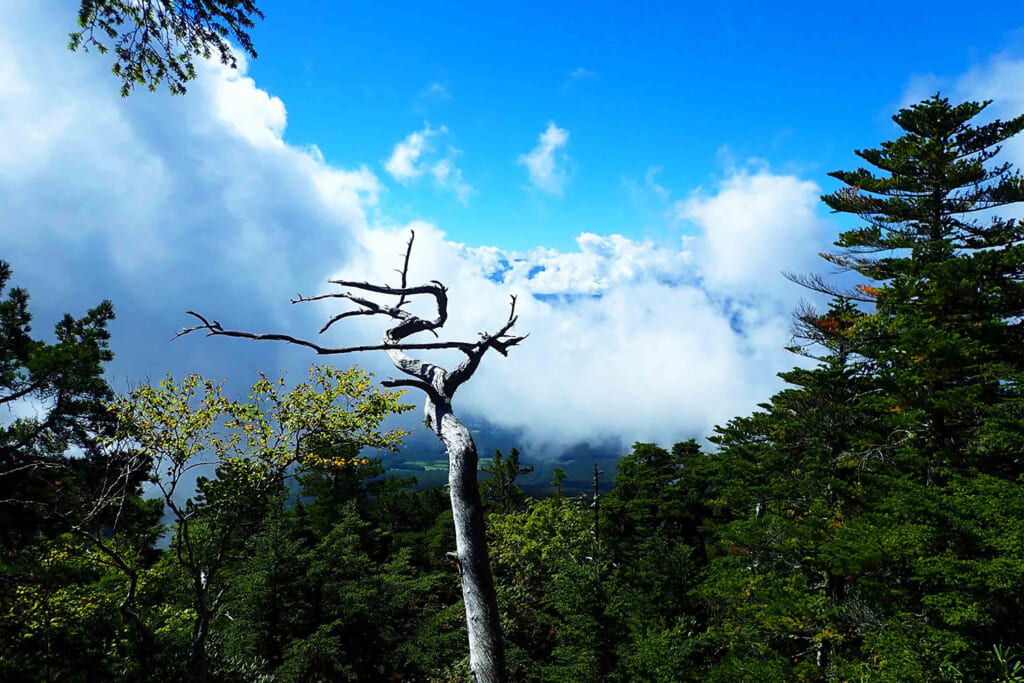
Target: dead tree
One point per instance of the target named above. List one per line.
(486, 652)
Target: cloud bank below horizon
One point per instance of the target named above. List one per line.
(163, 204)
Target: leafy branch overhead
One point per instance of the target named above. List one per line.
(157, 41)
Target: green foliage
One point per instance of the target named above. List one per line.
(254, 446)
(39, 483)
(651, 525)
(157, 41)
(548, 575)
(944, 347)
(657, 491)
(342, 602)
(263, 437)
(74, 523)
(60, 622)
(608, 606)
(500, 492)
(867, 522)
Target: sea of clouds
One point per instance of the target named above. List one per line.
(163, 204)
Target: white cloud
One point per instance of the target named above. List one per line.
(546, 163)
(404, 164)
(160, 203)
(245, 110)
(626, 340)
(420, 154)
(164, 204)
(755, 226)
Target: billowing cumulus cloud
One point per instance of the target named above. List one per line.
(423, 153)
(163, 204)
(546, 162)
(626, 338)
(160, 204)
(753, 227)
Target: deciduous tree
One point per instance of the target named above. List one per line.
(254, 446)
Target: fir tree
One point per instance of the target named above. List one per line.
(945, 345)
(500, 492)
(868, 519)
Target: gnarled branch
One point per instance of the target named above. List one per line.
(441, 383)
(215, 329)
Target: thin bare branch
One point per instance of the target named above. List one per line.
(33, 466)
(301, 299)
(433, 288)
(414, 384)
(500, 341)
(405, 266)
(215, 329)
(342, 316)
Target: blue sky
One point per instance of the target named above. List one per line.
(639, 177)
(667, 85)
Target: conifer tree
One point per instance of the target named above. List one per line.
(947, 336)
(945, 345)
(501, 492)
(869, 519)
(40, 485)
(788, 534)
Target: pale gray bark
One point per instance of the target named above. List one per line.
(486, 650)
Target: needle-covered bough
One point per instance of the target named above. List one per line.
(486, 653)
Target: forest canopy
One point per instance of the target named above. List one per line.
(866, 523)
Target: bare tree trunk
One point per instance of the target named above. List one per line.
(486, 653)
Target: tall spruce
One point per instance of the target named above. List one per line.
(869, 520)
(945, 345)
(947, 337)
